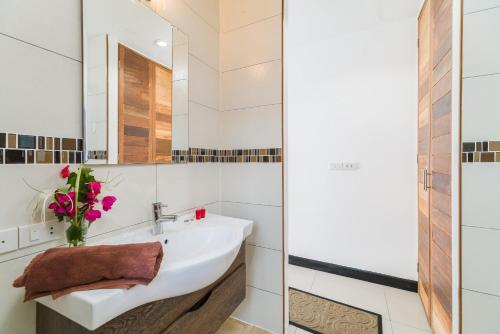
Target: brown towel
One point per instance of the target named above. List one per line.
(60, 271)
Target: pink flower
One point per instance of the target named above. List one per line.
(58, 210)
(107, 202)
(94, 187)
(65, 172)
(70, 211)
(68, 198)
(92, 215)
(64, 204)
(91, 199)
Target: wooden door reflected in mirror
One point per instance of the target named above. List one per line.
(144, 109)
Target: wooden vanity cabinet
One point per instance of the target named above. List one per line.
(203, 311)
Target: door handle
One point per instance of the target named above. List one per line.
(426, 180)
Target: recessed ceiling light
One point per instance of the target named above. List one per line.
(161, 43)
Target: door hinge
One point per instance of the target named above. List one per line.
(417, 267)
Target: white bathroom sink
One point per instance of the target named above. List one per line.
(196, 254)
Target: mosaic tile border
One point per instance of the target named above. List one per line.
(31, 149)
(97, 155)
(200, 155)
(481, 152)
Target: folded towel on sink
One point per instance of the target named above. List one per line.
(60, 271)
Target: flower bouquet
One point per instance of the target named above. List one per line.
(77, 202)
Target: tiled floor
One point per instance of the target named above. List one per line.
(402, 312)
(233, 326)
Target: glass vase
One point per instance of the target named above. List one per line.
(76, 234)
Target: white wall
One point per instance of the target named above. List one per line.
(480, 191)
(352, 96)
(40, 93)
(251, 118)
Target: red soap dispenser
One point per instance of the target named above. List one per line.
(200, 213)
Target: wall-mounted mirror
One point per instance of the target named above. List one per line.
(135, 84)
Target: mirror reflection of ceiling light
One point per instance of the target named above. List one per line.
(161, 43)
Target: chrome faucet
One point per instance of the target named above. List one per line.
(159, 218)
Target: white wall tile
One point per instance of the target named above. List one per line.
(480, 194)
(180, 57)
(264, 269)
(267, 228)
(251, 86)
(203, 83)
(180, 132)
(97, 80)
(16, 202)
(239, 127)
(15, 316)
(263, 309)
(477, 5)
(96, 108)
(481, 46)
(479, 313)
(480, 105)
(128, 210)
(39, 87)
(208, 10)
(97, 126)
(480, 251)
(255, 183)
(253, 44)
(203, 39)
(180, 97)
(96, 51)
(203, 126)
(238, 13)
(214, 208)
(185, 186)
(51, 24)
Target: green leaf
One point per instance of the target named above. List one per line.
(72, 179)
(86, 175)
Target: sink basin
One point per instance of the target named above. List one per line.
(196, 254)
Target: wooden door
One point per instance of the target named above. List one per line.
(424, 134)
(135, 117)
(434, 149)
(162, 83)
(144, 109)
(440, 208)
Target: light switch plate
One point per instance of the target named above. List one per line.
(345, 166)
(35, 234)
(8, 240)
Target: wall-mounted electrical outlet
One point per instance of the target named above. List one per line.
(8, 240)
(34, 234)
(348, 166)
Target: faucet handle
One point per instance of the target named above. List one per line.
(157, 209)
(159, 205)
